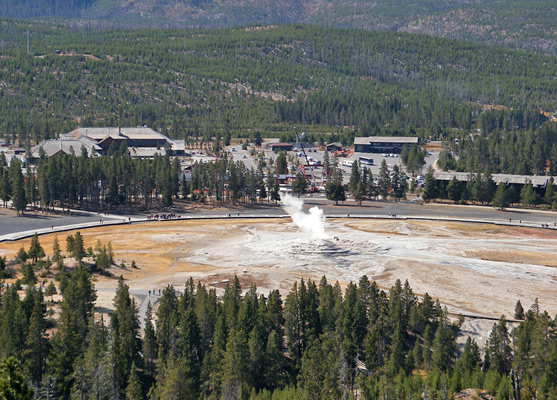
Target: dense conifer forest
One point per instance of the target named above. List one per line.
(319, 341)
(528, 25)
(333, 83)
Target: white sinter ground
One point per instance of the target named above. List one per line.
(433, 257)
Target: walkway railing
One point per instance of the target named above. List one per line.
(117, 220)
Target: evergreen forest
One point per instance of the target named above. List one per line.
(525, 24)
(334, 84)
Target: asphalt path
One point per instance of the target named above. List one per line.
(390, 209)
(10, 224)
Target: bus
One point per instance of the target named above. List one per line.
(366, 161)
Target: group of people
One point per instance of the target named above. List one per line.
(154, 291)
(163, 216)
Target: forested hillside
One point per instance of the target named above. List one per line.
(236, 82)
(523, 24)
(318, 341)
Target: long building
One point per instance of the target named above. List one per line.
(382, 144)
(536, 180)
(141, 142)
(134, 137)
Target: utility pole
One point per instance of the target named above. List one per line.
(27, 41)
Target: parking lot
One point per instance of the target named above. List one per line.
(317, 154)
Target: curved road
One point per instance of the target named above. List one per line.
(14, 228)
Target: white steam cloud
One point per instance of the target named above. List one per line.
(312, 223)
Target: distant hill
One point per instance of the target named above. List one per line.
(238, 81)
(522, 24)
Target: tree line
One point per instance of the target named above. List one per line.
(119, 180)
(482, 189)
(502, 150)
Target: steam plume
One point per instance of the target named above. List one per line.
(312, 223)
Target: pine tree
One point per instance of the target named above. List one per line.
(47, 390)
(299, 184)
(275, 318)
(501, 197)
(320, 375)
(355, 177)
(212, 363)
(110, 253)
(527, 195)
(56, 252)
(518, 310)
(257, 357)
(50, 290)
(498, 354)
(133, 390)
(13, 325)
(3, 265)
(93, 369)
(102, 260)
(73, 327)
(549, 196)
(231, 302)
(17, 186)
(281, 164)
(172, 384)
(5, 188)
(454, 190)
(470, 358)
(188, 342)
(29, 277)
(21, 255)
(30, 186)
(13, 384)
(150, 348)
(444, 347)
(35, 250)
(334, 188)
(167, 320)
(384, 180)
(75, 246)
(275, 362)
(234, 369)
(275, 195)
(185, 187)
(430, 189)
(125, 334)
(36, 343)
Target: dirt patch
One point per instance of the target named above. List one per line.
(517, 256)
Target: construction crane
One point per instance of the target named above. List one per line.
(312, 186)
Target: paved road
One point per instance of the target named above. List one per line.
(80, 220)
(10, 223)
